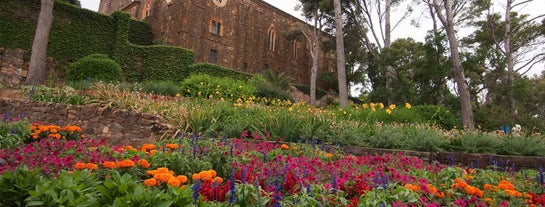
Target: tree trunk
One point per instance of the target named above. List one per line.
(315, 56)
(458, 70)
(510, 61)
(390, 70)
(341, 62)
(37, 71)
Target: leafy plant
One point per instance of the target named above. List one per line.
(205, 86)
(524, 146)
(168, 88)
(13, 133)
(69, 189)
(16, 184)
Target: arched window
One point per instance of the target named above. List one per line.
(272, 39)
(216, 26)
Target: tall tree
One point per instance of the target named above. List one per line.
(341, 63)
(444, 10)
(509, 45)
(37, 72)
(375, 19)
(311, 10)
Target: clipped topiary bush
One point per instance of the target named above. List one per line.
(95, 67)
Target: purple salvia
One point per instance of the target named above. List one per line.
(196, 190)
(232, 188)
(244, 174)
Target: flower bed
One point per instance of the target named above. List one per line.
(222, 172)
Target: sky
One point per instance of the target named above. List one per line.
(404, 30)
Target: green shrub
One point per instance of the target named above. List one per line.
(306, 90)
(167, 88)
(95, 67)
(523, 146)
(474, 142)
(13, 133)
(273, 92)
(329, 81)
(206, 86)
(437, 115)
(425, 140)
(388, 138)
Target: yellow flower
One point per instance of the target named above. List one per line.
(388, 111)
(381, 105)
(408, 105)
(392, 106)
(365, 106)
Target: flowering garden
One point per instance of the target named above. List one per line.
(58, 166)
(257, 161)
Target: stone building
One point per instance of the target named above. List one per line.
(241, 34)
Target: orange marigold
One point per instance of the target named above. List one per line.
(125, 164)
(412, 187)
(109, 165)
(163, 177)
(172, 146)
(205, 176)
(195, 176)
(150, 182)
(182, 178)
(217, 179)
(284, 146)
(506, 185)
(80, 166)
(92, 166)
(213, 173)
(162, 170)
(490, 187)
(143, 163)
(174, 182)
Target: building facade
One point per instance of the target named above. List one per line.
(247, 35)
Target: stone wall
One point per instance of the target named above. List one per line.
(12, 66)
(244, 39)
(116, 126)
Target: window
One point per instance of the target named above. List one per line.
(215, 27)
(213, 56)
(244, 66)
(272, 39)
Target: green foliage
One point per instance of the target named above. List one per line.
(69, 189)
(523, 146)
(115, 187)
(277, 79)
(425, 140)
(146, 63)
(95, 67)
(306, 90)
(65, 95)
(13, 133)
(329, 81)
(206, 86)
(217, 71)
(437, 115)
(271, 92)
(140, 33)
(15, 185)
(387, 138)
(167, 88)
(474, 142)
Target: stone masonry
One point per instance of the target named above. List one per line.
(251, 35)
(115, 126)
